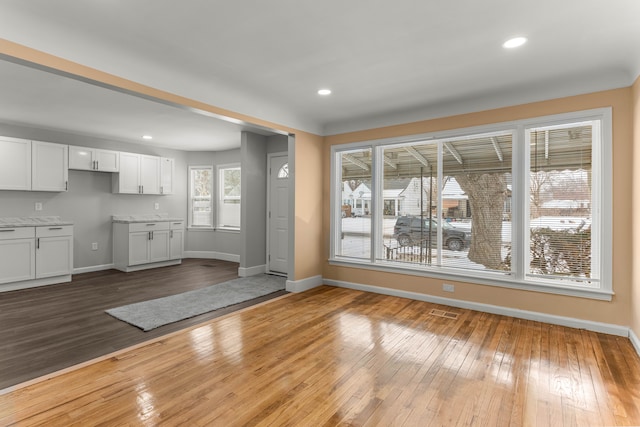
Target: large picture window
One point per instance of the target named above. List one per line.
(522, 204)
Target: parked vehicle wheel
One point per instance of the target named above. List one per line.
(455, 245)
(404, 240)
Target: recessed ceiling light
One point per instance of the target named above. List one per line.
(324, 92)
(147, 137)
(514, 42)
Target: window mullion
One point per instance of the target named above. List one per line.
(377, 172)
(520, 206)
(439, 187)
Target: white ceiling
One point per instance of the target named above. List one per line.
(386, 62)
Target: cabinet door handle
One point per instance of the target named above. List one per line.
(55, 228)
(97, 164)
(142, 186)
(152, 235)
(66, 186)
(171, 234)
(6, 230)
(148, 235)
(93, 164)
(38, 243)
(150, 224)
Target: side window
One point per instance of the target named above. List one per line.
(200, 197)
(229, 191)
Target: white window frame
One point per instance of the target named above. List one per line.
(190, 224)
(220, 195)
(601, 207)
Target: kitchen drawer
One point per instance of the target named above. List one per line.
(54, 231)
(148, 226)
(17, 233)
(178, 225)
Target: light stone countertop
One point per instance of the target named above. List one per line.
(33, 221)
(130, 219)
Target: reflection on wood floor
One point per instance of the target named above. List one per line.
(334, 356)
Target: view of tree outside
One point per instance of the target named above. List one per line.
(448, 203)
(229, 196)
(201, 196)
(560, 201)
(231, 179)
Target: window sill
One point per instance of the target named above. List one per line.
(482, 278)
(228, 229)
(200, 229)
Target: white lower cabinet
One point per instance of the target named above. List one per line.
(176, 240)
(17, 254)
(54, 251)
(146, 245)
(35, 256)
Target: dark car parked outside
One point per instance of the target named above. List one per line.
(409, 231)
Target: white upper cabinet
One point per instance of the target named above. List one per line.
(93, 159)
(49, 166)
(140, 174)
(15, 164)
(167, 171)
(33, 165)
(128, 180)
(150, 174)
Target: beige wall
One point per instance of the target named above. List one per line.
(635, 291)
(618, 311)
(309, 254)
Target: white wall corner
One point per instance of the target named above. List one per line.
(304, 284)
(634, 340)
(571, 322)
(211, 255)
(252, 271)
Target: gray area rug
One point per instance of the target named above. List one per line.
(151, 314)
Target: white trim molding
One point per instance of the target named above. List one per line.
(634, 340)
(252, 271)
(93, 268)
(304, 284)
(212, 255)
(571, 322)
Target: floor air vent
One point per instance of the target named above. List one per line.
(442, 313)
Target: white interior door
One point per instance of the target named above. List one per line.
(278, 215)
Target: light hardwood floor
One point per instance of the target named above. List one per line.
(334, 356)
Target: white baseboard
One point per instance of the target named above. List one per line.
(606, 328)
(93, 268)
(304, 284)
(252, 271)
(34, 283)
(634, 340)
(211, 255)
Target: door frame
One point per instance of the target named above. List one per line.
(270, 156)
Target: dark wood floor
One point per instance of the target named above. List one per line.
(46, 329)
